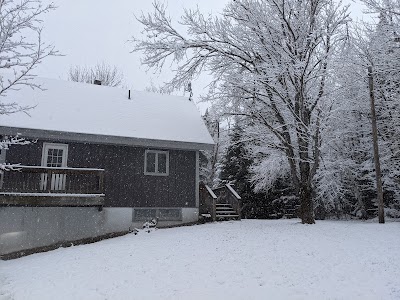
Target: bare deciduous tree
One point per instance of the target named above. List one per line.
(153, 88)
(21, 50)
(21, 47)
(270, 61)
(346, 180)
(108, 75)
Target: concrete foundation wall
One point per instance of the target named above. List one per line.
(24, 228)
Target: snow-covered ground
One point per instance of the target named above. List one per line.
(251, 259)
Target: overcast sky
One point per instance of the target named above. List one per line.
(91, 31)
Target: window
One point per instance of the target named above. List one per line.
(145, 214)
(164, 214)
(170, 214)
(156, 163)
(55, 158)
(54, 155)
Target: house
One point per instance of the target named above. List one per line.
(101, 160)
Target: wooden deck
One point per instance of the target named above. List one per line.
(46, 186)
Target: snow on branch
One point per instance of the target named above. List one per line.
(5, 144)
(107, 74)
(271, 61)
(20, 52)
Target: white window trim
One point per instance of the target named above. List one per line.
(3, 153)
(57, 181)
(156, 171)
(55, 146)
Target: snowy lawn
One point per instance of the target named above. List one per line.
(251, 259)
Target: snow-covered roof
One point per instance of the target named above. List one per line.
(70, 107)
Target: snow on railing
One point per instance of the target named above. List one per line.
(230, 188)
(38, 179)
(210, 191)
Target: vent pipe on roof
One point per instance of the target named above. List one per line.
(97, 82)
(129, 94)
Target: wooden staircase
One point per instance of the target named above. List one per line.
(290, 211)
(225, 212)
(372, 212)
(222, 203)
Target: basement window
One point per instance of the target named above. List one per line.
(144, 214)
(156, 163)
(163, 214)
(170, 214)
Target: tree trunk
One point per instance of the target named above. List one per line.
(305, 190)
(306, 203)
(379, 191)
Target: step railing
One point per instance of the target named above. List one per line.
(213, 204)
(208, 201)
(234, 200)
(225, 194)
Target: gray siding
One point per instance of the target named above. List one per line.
(125, 183)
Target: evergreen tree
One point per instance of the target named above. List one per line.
(236, 163)
(385, 49)
(209, 159)
(235, 170)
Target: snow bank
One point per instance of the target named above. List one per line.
(274, 259)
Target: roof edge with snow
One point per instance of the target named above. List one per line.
(102, 139)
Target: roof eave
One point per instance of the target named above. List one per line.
(102, 139)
